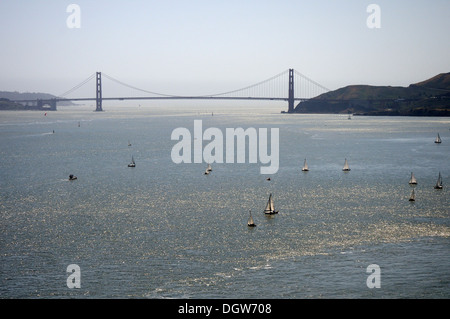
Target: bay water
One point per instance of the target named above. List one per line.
(166, 230)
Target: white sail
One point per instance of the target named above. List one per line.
(412, 197)
(438, 139)
(270, 209)
(346, 167)
(439, 182)
(413, 179)
(250, 221)
(209, 168)
(305, 166)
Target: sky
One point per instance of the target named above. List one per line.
(205, 47)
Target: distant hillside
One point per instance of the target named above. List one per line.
(440, 81)
(427, 98)
(6, 104)
(14, 96)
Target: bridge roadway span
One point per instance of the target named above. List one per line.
(177, 98)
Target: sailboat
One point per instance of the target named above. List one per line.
(250, 222)
(305, 166)
(439, 182)
(346, 168)
(129, 144)
(270, 210)
(208, 170)
(438, 139)
(413, 180)
(412, 198)
(132, 164)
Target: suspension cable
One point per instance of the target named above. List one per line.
(77, 86)
(135, 88)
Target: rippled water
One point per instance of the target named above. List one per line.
(162, 230)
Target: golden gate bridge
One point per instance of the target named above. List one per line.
(290, 86)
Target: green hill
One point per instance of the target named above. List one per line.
(427, 98)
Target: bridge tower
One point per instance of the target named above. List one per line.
(98, 95)
(291, 91)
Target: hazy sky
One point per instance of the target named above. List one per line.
(211, 46)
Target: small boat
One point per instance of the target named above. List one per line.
(412, 180)
(250, 222)
(439, 182)
(132, 164)
(346, 167)
(270, 210)
(305, 166)
(72, 177)
(412, 198)
(438, 139)
(129, 144)
(208, 170)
